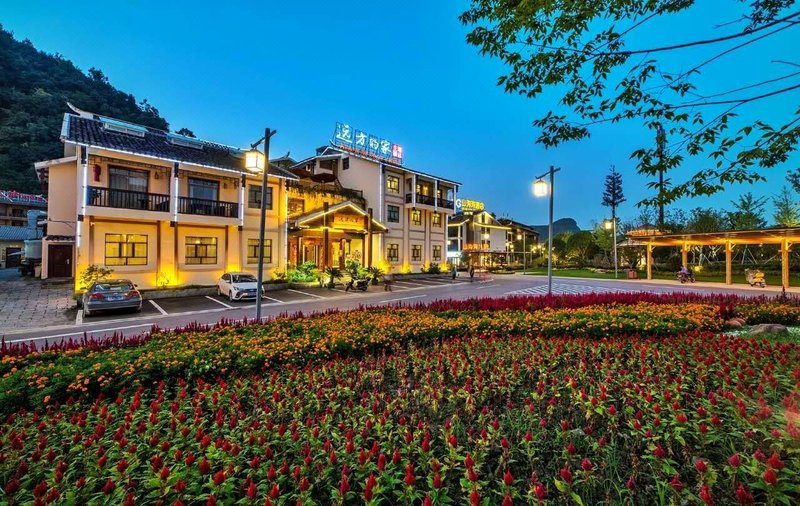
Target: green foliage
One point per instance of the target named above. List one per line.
(612, 193)
(706, 220)
(580, 51)
(303, 273)
(34, 90)
(787, 212)
(433, 268)
(748, 213)
(93, 273)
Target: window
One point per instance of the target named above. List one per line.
(345, 164)
(201, 250)
(126, 249)
(437, 253)
(393, 214)
(436, 220)
(416, 217)
(416, 252)
(203, 189)
(127, 179)
(393, 184)
(254, 197)
(393, 252)
(252, 251)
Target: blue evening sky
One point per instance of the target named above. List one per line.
(400, 70)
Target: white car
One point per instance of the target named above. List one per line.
(238, 286)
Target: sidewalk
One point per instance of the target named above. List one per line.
(771, 290)
(29, 303)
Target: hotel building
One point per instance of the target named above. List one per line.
(166, 210)
(475, 237)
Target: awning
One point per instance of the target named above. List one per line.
(344, 216)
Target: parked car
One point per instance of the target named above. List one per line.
(110, 294)
(238, 286)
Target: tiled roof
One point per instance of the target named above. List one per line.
(136, 139)
(9, 233)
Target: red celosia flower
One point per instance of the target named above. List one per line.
(508, 479)
(705, 495)
(775, 461)
(180, 486)
(586, 465)
(304, 484)
(344, 485)
(676, 484)
(219, 478)
(540, 491)
(468, 462)
(571, 448)
(565, 474)
(472, 475)
(252, 491)
(164, 473)
(212, 501)
(660, 452)
(743, 496)
(437, 481)
(507, 500)
(109, 487)
(410, 479)
(11, 487)
(371, 482)
(770, 476)
(427, 501)
(274, 492)
(381, 462)
(631, 484)
(474, 497)
(701, 466)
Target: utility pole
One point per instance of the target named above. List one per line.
(661, 138)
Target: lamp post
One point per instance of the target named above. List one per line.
(258, 162)
(540, 189)
(612, 225)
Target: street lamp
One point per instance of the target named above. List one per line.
(541, 189)
(258, 163)
(612, 225)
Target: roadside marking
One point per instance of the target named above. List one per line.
(79, 333)
(270, 298)
(401, 298)
(79, 317)
(305, 293)
(410, 283)
(219, 302)
(159, 308)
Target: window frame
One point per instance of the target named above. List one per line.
(416, 252)
(197, 246)
(418, 220)
(207, 183)
(129, 172)
(436, 220)
(125, 260)
(436, 253)
(254, 190)
(391, 187)
(252, 247)
(393, 252)
(392, 212)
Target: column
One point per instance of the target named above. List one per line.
(785, 248)
(649, 261)
(325, 244)
(728, 263)
(685, 255)
(234, 249)
(368, 247)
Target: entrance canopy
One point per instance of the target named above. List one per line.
(344, 216)
(784, 237)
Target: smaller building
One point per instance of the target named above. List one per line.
(14, 207)
(475, 237)
(522, 242)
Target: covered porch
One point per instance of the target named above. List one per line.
(783, 238)
(333, 235)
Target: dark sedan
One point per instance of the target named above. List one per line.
(111, 294)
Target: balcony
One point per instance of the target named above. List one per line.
(127, 199)
(188, 205)
(423, 200)
(446, 204)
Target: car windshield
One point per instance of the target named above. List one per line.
(113, 287)
(243, 278)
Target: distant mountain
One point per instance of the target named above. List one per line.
(559, 226)
(34, 90)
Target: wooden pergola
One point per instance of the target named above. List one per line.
(783, 237)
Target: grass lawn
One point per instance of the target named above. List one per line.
(577, 273)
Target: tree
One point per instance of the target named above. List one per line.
(580, 49)
(185, 132)
(748, 213)
(787, 212)
(612, 194)
(580, 246)
(705, 220)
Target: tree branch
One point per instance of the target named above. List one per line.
(736, 101)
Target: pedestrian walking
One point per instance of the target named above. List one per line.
(387, 282)
(455, 272)
(471, 273)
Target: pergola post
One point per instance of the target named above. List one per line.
(785, 245)
(728, 263)
(685, 255)
(649, 261)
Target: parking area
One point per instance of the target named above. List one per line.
(290, 297)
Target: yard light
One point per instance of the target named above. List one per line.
(608, 224)
(540, 188)
(254, 161)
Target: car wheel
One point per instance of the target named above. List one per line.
(139, 309)
(230, 296)
(219, 292)
(86, 312)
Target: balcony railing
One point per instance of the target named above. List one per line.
(127, 199)
(423, 200)
(447, 204)
(188, 205)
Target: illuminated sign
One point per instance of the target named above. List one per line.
(466, 205)
(367, 144)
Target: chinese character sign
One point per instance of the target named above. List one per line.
(369, 144)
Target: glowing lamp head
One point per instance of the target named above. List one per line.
(608, 224)
(254, 161)
(519, 237)
(541, 188)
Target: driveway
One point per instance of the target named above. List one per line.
(28, 302)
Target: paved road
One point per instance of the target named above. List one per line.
(169, 313)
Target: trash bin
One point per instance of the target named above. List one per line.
(632, 274)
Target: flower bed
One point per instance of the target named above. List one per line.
(485, 419)
(29, 380)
